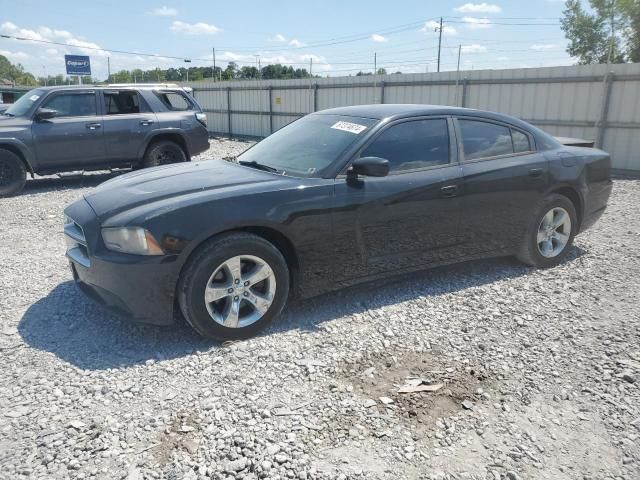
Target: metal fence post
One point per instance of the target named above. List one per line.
(465, 83)
(601, 124)
(270, 88)
(229, 112)
(315, 97)
(382, 91)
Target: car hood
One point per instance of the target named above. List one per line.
(208, 178)
(11, 124)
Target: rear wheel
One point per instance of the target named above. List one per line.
(551, 233)
(13, 174)
(163, 152)
(233, 286)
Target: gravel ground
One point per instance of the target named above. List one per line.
(536, 373)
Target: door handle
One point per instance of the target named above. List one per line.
(93, 126)
(449, 190)
(535, 172)
(146, 122)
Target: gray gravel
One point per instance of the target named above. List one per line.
(536, 373)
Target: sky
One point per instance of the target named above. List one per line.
(339, 37)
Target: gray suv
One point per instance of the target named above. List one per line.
(61, 129)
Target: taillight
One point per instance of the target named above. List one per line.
(202, 118)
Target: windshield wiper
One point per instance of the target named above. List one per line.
(259, 166)
(7, 114)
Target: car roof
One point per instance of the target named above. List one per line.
(401, 110)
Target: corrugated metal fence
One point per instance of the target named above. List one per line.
(595, 102)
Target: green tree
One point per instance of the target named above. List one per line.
(589, 31)
(16, 73)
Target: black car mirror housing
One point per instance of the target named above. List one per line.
(370, 167)
(45, 114)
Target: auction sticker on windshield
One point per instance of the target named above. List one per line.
(349, 127)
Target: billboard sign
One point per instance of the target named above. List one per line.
(77, 65)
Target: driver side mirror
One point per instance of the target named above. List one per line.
(45, 114)
(370, 167)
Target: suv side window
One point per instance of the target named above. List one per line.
(73, 104)
(175, 101)
(413, 144)
(122, 102)
(483, 139)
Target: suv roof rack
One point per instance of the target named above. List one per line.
(152, 85)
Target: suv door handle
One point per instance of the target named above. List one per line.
(449, 190)
(93, 126)
(535, 172)
(146, 122)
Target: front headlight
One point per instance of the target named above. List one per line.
(134, 240)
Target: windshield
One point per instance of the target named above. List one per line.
(307, 146)
(24, 103)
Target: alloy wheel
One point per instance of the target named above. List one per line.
(240, 291)
(554, 232)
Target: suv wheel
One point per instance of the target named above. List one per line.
(233, 286)
(163, 152)
(551, 232)
(13, 174)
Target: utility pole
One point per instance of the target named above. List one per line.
(439, 43)
(311, 67)
(213, 72)
(458, 74)
(375, 73)
(108, 69)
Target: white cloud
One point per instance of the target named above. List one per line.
(502, 59)
(278, 37)
(475, 48)
(199, 28)
(475, 23)
(296, 43)
(15, 56)
(478, 8)
(544, 46)
(163, 12)
(379, 38)
(433, 26)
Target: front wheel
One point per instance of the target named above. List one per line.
(551, 233)
(233, 286)
(13, 174)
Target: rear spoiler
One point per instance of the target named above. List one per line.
(575, 142)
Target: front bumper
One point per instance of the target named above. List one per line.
(139, 287)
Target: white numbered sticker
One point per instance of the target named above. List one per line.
(33, 98)
(349, 127)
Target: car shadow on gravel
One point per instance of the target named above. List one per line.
(90, 337)
(51, 183)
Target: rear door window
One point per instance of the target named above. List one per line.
(483, 139)
(520, 141)
(123, 102)
(176, 101)
(73, 104)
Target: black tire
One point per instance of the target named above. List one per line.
(163, 152)
(13, 173)
(204, 262)
(530, 252)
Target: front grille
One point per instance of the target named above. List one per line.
(76, 243)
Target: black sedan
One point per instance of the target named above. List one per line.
(336, 198)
